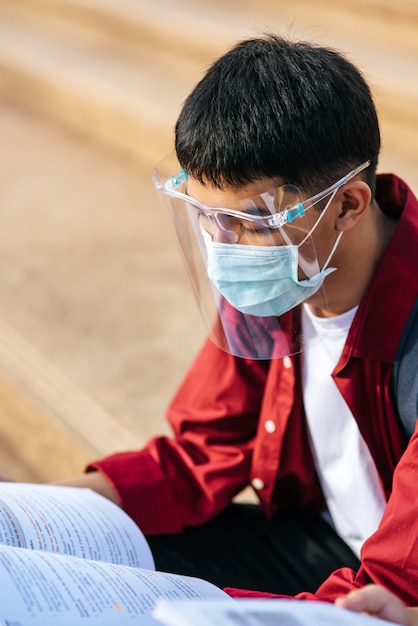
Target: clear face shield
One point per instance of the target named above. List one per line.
(249, 263)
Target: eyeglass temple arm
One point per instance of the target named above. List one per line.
(323, 194)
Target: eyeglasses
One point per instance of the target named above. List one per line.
(274, 209)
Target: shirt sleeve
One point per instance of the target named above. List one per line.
(186, 479)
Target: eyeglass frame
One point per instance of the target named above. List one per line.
(275, 220)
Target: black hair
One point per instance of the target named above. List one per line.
(274, 108)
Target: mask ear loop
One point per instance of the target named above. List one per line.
(320, 217)
(337, 241)
(333, 249)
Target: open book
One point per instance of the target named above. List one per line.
(69, 556)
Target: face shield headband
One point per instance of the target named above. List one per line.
(251, 262)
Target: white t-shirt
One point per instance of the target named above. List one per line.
(346, 470)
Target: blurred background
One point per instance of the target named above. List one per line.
(97, 325)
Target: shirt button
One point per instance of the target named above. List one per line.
(270, 426)
(287, 362)
(257, 483)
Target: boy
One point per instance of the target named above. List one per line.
(306, 269)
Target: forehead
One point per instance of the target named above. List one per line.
(210, 195)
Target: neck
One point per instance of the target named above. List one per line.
(356, 259)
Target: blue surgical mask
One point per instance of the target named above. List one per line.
(261, 280)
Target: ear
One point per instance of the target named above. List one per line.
(354, 201)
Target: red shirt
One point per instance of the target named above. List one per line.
(238, 421)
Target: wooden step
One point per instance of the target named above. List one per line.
(97, 320)
(119, 70)
(127, 105)
(45, 416)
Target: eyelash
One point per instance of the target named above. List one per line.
(255, 231)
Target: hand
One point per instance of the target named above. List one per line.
(377, 601)
(92, 480)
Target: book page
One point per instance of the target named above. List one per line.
(44, 589)
(262, 612)
(69, 520)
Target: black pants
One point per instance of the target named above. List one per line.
(293, 552)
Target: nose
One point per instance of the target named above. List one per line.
(220, 235)
(216, 230)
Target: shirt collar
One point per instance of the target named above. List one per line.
(385, 307)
